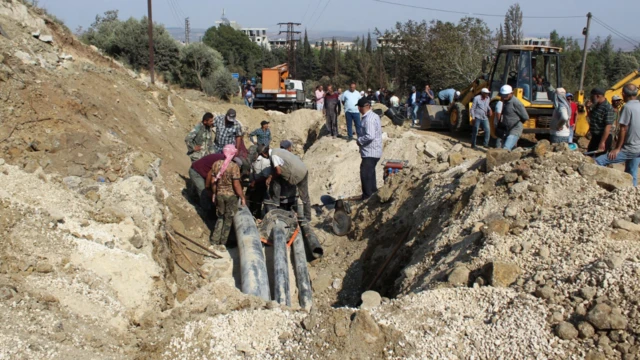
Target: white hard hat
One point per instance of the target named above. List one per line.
(457, 93)
(485, 91)
(506, 90)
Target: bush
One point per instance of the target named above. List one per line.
(128, 41)
(221, 84)
(198, 61)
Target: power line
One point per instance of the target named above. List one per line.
(319, 16)
(616, 32)
(176, 5)
(175, 15)
(306, 11)
(474, 14)
(316, 9)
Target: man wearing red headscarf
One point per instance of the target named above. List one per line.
(224, 180)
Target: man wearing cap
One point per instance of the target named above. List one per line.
(350, 100)
(601, 118)
(263, 134)
(447, 96)
(616, 103)
(200, 140)
(370, 144)
(228, 131)
(481, 112)
(286, 145)
(513, 116)
(287, 168)
(627, 149)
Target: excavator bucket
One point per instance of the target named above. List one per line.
(435, 117)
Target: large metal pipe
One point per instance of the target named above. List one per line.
(302, 273)
(280, 264)
(310, 238)
(253, 266)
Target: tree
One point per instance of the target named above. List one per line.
(500, 36)
(221, 84)
(128, 41)
(198, 62)
(239, 52)
(513, 25)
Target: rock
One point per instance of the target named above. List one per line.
(526, 246)
(455, 159)
(585, 330)
(510, 177)
(76, 170)
(385, 193)
(24, 57)
(370, 300)
(432, 149)
(625, 225)
(443, 157)
(44, 268)
(497, 157)
(544, 252)
(614, 261)
(581, 310)
(519, 188)
(469, 178)
(635, 218)
(602, 318)
(112, 177)
(588, 293)
(31, 166)
(511, 211)
(136, 241)
(545, 292)
(536, 189)
(7, 292)
(541, 148)
(46, 39)
(1, 161)
(516, 249)
(498, 226)
(56, 216)
(456, 148)
(557, 317)
(607, 178)
(459, 276)
(502, 274)
(565, 330)
(337, 284)
(364, 327)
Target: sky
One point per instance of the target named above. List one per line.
(358, 16)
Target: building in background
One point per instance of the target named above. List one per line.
(278, 43)
(256, 35)
(342, 45)
(536, 41)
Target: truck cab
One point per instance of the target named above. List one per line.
(278, 92)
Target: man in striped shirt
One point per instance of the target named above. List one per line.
(370, 144)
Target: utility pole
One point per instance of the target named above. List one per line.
(291, 42)
(585, 32)
(187, 31)
(151, 65)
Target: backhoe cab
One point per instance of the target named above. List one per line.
(532, 71)
(534, 74)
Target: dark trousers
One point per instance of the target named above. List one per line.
(368, 176)
(204, 195)
(226, 208)
(255, 196)
(303, 191)
(595, 142)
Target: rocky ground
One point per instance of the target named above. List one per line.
(464, 254)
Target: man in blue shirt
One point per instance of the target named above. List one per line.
(481, 112)
(447, 96)
(350, 100)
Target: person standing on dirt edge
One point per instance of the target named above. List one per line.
(350, 99)
(228, 131)
(263, 135)
(512, 119)
(370, 144)
(200, 140)
(224, 181)
(627, 149)
(481, 112)
(319, 98)
(601, 119)
(413, 104)
(332, 111)
(249, 94)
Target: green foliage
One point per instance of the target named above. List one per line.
(513, 25)
(239, 53)
(198, 61)
(221, 84)
(128, 41)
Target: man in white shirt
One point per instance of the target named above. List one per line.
(319, 98)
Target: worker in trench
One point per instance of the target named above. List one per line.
(224, 182)
(200, 140)
(286, 169)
